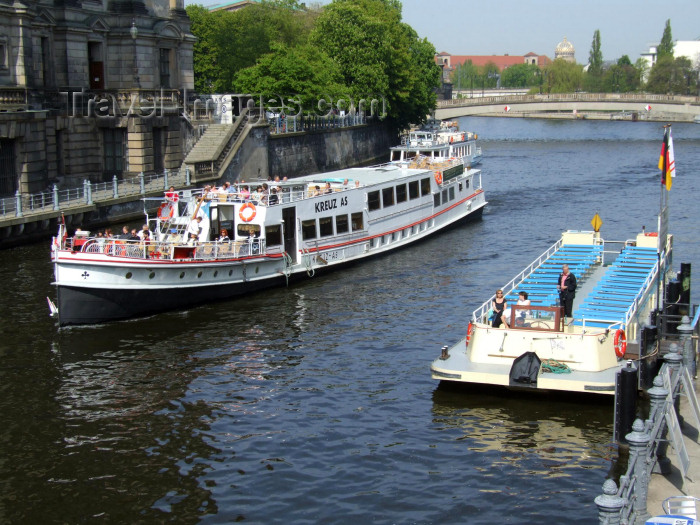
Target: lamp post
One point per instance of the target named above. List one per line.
(134, 31)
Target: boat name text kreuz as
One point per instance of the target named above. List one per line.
(330, 204)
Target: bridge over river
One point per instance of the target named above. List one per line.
(622, 106)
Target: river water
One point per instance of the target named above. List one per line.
(314, 404)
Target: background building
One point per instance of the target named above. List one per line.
(91, 89)
(565, 50)
(681, 48)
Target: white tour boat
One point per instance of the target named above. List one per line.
(619, 284)
(437, 140)
(293, 229)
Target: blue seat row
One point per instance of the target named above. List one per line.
(615, 292)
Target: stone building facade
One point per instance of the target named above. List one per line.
(90, 89)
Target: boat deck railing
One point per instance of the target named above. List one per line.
(174, 249)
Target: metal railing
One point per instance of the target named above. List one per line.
(627, 504)
(300, 123)
(569, 97)
(23, 204)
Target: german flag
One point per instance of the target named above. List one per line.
(667, 163)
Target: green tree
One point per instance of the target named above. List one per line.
(595, 57)
(624, 60)
(298, 77)
(672, 76)
(562, 76)
(520, 76)
(465, 76)
(666, 45)
(230, 41)
(379, 56)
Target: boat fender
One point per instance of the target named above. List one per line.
(165, 212)
(620, 343)
(244, 214)
(438, 177)
(476, 136)
(470, 331)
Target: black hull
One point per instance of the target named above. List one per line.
(79, 306)
(83, 306)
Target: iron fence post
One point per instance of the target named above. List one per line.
(688, 353)
(638, 441)
(609, 504)
(165, 179)
(89, 192)
(115, 187)
(55, 197)
(657, 399)
(187, 175)
(18, 200)
(86, 198)
(142, 184)
(674, 361)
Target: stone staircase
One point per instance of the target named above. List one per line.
(213, 152)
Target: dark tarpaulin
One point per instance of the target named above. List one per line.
(525, 369)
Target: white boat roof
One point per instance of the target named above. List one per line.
(368, 176)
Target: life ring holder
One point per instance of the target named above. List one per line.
(620, 343)
(166, 211)
(247, 216)
(470, 331)
(438, 177)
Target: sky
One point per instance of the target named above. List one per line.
(516, 27)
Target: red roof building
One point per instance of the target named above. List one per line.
(501, 61)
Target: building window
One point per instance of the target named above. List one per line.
(158, 150)
(114, 140)
(164, 66)
(8, 171)
(3, 54)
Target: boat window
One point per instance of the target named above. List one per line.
(308, 229)
(356, 220)
(248, 230)
(460, 186)
(452, 193)
(413, 189)
(436, 200)
(425, 187)
(444, 196)
(341, 224)
(466, 183)
(325, 226)
(400, 193)
(273, 234)
(373, 201)
(388, 197)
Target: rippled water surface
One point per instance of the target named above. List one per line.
(314, 403)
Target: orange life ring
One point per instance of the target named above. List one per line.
(470, 331)
(247, 217)
(620, 343)
(165, 212)
(438, 177)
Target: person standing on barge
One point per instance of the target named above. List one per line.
(567, 289)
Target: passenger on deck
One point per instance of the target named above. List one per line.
(317, 191)
(522, 301)
(244, 193)
(567, 289)
(193, 230)
(328, 188)
(499, 304)
(144, 234)
(274, 198)
(125, 233)
(223, 236)
(257, 195)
